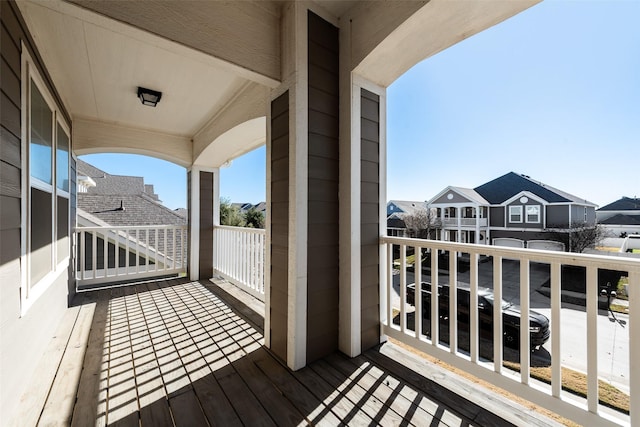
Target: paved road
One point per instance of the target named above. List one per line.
(613, 339)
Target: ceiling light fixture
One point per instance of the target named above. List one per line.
(149, 97)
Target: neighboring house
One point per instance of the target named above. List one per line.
(244, 207)
(122, 200)
(125, 201)
(396, 210)
(621, 217)
(512, 210)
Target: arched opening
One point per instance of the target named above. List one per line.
(131, 219)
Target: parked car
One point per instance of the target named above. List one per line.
(538, 323)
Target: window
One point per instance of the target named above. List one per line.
(585, 214)
(46, 186)
(515, 213)
(533, 213)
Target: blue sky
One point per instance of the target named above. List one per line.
(553, 93)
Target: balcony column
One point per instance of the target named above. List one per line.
(459, 220)
(204, 213)
(302, 285)
(477, 225)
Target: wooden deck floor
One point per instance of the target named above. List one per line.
(174, 353)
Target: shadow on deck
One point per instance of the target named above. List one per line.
(176, 352)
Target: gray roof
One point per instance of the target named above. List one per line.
(621, 219)
(505, 187)
(138, 209)
(140, 203)
(623, 204)
(182, 212)
(110, 184)
(408, 206)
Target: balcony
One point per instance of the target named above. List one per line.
(177, 352)
(464, 222)
(173, 350)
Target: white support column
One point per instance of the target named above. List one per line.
(459, 219)
(477, 225)
(296, 81)
(216, 199)
(349, 339)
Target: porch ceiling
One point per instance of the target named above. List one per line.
(97, 63)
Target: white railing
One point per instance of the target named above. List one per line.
(465, 222)
(112, 254)
(239, 255)
(486, 361)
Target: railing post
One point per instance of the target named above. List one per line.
(497, 314)
(453, 301)
(403, 288)
(634, 347)
(556, 304)
(592, 339)
(525, 344)
(473, 308)
(434, 298)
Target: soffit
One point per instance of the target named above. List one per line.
(97, 65)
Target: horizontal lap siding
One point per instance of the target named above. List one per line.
(23, 338)
(206, 225)
(279, 224)
(370, 218)
(10, 161)
(322, 243)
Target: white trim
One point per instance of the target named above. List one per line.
(350, 280)
(30, 292)
(298, 191)
(25, 187)
(523, 194)
(514, 207)
(267, 237)
(362, 83)
(383, 197)
(526, 214)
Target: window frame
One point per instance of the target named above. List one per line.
(519, 209)
(539, 215)
(31, 291)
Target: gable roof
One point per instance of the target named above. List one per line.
(141, 204)
(505, 187)
(110, 184)
(408, 206)
(468, 193)
(138, 210)
(621, 219)
(623, 204)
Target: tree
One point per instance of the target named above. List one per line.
(253, 218)
(229, 214)
(422, 223)
(580, 236)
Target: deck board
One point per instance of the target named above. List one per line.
(58, 409)
(176, 352)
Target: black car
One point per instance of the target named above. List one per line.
(538, 323)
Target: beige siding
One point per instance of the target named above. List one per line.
(23, 339)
